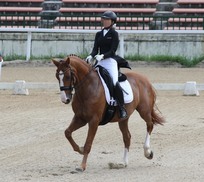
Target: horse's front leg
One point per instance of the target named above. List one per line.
(75, 124)
(123, 125)
(93, 126)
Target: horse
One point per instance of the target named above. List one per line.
(89, 104)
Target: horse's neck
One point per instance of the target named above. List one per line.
(84, 74)
(81, 70)
(88, 86)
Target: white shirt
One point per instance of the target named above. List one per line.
(105, 31)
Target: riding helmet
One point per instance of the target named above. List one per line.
(109, 15)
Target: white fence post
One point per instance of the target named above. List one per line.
(29, 36)
(121, 46)
(1, 61)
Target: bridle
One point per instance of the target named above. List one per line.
(71, 85)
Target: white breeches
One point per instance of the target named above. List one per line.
(111, 66)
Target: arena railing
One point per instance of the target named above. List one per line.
(180, 22)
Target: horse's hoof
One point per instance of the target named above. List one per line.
(79, 169)
(81, 150)
(150, 156)
(116, 165)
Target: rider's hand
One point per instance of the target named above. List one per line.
(99, 57)
(89, 58)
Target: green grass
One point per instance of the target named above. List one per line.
(44, 58)
(163, 58)
(14, 57)
(155, 58)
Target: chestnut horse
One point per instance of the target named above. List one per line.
(89, 104)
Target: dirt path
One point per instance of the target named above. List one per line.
(33, 146)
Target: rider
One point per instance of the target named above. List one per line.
(105, 45)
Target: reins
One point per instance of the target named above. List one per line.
(84, 79)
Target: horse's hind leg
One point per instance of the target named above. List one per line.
(146, 115)
(147, 150)
(123, 125)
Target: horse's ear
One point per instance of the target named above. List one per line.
(68, 60)
(56, 63)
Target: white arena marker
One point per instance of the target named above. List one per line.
(20, 88)
(190, 89)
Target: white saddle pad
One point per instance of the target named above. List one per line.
(127, 91)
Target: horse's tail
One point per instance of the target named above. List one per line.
(157, 117)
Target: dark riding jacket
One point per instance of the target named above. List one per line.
(107, 45)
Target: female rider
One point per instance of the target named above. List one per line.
(105, 45)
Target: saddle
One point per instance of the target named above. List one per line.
(110, 108)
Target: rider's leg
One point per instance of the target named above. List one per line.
(112, 67)
(120, 100)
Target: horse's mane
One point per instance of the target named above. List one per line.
(76, 57)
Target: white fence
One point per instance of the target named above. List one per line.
(165, 46)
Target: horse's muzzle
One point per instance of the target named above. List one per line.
(65, 98)
(67, 101)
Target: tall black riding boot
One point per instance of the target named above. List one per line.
(120, 101)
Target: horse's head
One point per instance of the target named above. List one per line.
(65, 76)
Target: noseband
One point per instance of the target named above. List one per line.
(64, 88)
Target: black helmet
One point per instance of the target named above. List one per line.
(109, 15)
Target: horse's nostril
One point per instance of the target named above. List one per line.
(68, 101)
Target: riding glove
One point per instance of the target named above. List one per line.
(89, 59)
(99, 57)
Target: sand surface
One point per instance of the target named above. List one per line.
(33, 146)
